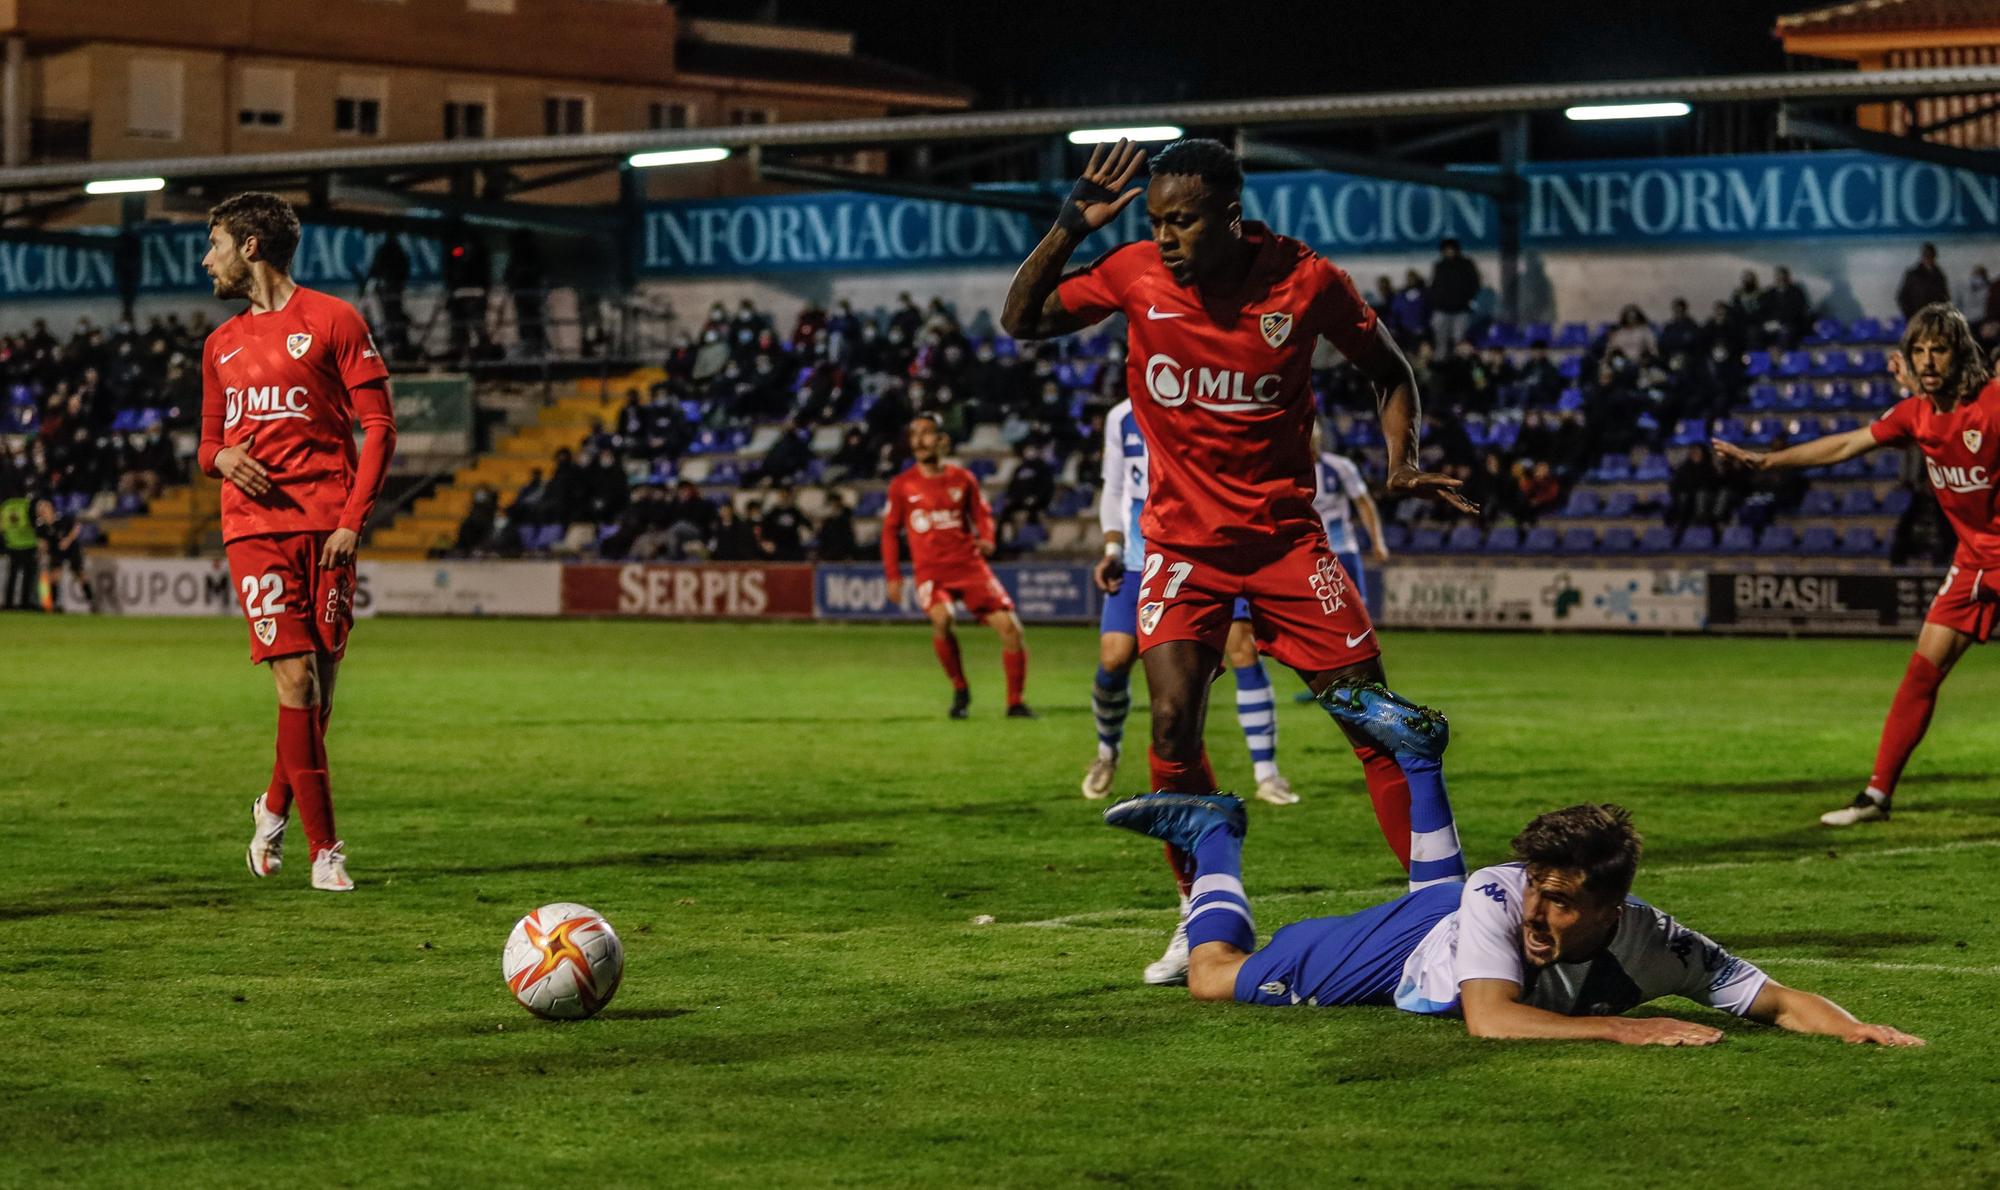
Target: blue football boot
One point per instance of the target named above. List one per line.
(1179, 818)
(1389, 720)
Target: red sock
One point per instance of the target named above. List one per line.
(947, 653)
(1389, 790)
(1181, 776)
(1016, 663)
(1909, 718)
(278, 794)
(302, 749)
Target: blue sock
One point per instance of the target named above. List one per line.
(1218, 910)
(1435, 857)
(1111, 700)
(1257, 715)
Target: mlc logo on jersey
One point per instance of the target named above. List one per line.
(1171, 385)
(298, 344)
(1276, 327)
(263, 404)
(1959, 479)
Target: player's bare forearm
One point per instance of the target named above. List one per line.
(1032, 309)
(1491, 1011)
(1820, 452)
(1799, 1011)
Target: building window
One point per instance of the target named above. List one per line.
(740, 116)
(565, 115)
(153, 98)
(667, 115)
(489, 5)
(357, 105)
(464, 120)
(265, 99)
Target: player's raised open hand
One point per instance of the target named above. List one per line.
(1431, 486)
(1865, 1034)
(339, 548)
(236, 466)
(1102, 192)
(1733, 455)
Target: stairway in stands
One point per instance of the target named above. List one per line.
(174, 524)
(432, 522)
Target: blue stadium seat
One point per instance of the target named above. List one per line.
(1737, 539)
(1819, 502)
(1860, 541)
(1897, 502)
(1761, 431)
(1574, 336)
(1879, 393)
(1830, 364)
(1652, 469)
(1579, 540)
(1825, 331)
(1505, 539)
(1794, 364)
(1619, 504)
(1537, 332)
(1612, 469)
(983, 468)
(1817, 540)
(1885, 464)
(871, 504)
(1864, 330)
(1570, 401)
(1426, 541)
(1657, 539)
(1540, 540)
(1005, 347)
(1795, 397)
(1692, 432)
(1463, 540)
(1777, 539)
(1763, 397)
(1858, 502)
(1872, 362)
(1892, 329)
(1856, 468)
(1838, 395)
(1618, 539)
(1397, 533)
(1582, 502)
(1697, 539)
(1497, 334)
(1570, 368)
(1758, 365)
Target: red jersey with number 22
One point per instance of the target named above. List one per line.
(1222, 384)
(946, 517)
(284, 382)
(1962, 454)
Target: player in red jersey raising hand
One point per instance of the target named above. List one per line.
(950, 528)
(1954, 418)
(283, 384)
(1222, 316)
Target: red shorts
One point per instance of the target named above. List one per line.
(1959, 605)
(974, 587)
(1304, 611)
(291, 604)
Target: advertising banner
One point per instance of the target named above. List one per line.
(720, 591)
(1805, 602)
(433, 414)
(1046, 594)
(1543, 597)
(464, 588)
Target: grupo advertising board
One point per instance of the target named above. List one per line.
(696, 591)
(1046, 594)
(1543, 597)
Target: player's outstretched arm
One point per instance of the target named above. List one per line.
(1820, 452)
(1492, 1008)
(1398, 409)
(1804, 1012)
(1033, 309)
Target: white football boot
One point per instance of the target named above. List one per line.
(1172, 967)
(1277, 791)
(267, 842)
(330, 870)
(1864, 808)
(1097, 782)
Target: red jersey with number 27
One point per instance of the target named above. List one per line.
(945, 516)
(1962, 454)
(291, 383)
(1221, 384)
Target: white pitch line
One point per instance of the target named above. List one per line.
(1071, 920)
(1932, 968)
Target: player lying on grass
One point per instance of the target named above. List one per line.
(1549, 946)
(1953, 417)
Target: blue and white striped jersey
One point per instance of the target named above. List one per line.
(1121, 497)
(1337, 484)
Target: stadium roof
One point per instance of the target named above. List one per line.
(724, 60)
(1892, 16)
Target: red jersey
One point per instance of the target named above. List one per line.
(1962, 453)
(946, 516)
(291, 384)
(1223, 390)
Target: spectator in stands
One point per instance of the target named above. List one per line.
(854, 460)
(1680, 334)
(689, 521)
(1538, 379)
(835, 541)
(1492, 489)
(388, 274)
(787, 459)
(529, 499)
(1033, 485)
(475, 532)
(1541, 491)
(1923, 284)
(566, 497)
(1453, 288)
(736, 535)
(1972, 298)
(1722, 331)
(1633, 337)
(468, 275)
(637, 523)
(1746, 305)
(607, 489)
(1412, 312)
(1788, 312)
(1691, 491)
(784, 528)
(1383, 298)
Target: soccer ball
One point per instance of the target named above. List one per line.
(563, 962)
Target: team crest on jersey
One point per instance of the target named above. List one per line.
(1276, 327)
(300, 343)
(266, 630)
(1972, 440)
(1149, 617)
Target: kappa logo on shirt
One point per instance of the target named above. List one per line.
(298, 343)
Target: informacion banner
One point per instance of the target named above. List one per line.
(1046, 594)
(694, 591)
(1542, 597)
(1809, 602)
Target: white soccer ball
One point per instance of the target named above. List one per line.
(563, 962)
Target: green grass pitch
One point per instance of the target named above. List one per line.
(794, 843)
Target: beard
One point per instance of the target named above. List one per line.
(229, 286)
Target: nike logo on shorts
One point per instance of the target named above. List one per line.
(1355, 640)
(226, 358)
(1153, 314)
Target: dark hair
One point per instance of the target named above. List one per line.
(1599, 841)
(1198, 157)
(1943, 322)
(1450, 242)
(267, 217)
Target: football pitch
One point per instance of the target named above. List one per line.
(797, 848)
